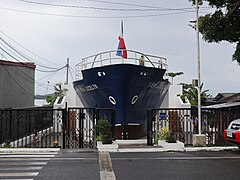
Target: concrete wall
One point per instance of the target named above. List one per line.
(70, 98)
(172, 100)
(16, 85)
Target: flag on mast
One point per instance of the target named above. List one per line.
(121, 45)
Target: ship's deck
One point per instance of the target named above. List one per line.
(110, 57)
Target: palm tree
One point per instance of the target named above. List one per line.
(59, 92)
(191, 93)
(173, 74)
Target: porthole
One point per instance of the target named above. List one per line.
(143, 73)
(134, 99)
(101, 74)
(112, 100)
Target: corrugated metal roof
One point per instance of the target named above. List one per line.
(223, 105)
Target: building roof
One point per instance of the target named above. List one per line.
(224, 105)
(221, 96)
(234, 98)
(19, 64)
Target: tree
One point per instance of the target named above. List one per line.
(173, 74)
(59, 92)
(223, 24)
(191, 93)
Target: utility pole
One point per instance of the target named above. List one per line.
(198, 69)
(67, 65)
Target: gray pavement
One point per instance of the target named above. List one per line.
(22, 164)
(78, 164)
(72, 165)
(177, 165)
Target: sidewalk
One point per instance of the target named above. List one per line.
(122, 146)
(141, 146)
(28, 150)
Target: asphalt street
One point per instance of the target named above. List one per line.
(71, 165)
(92, 165)
(177, 165)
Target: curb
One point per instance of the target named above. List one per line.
(160, 149)
(228, 148)
(28, 150)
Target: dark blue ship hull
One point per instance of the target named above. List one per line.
(130, 89)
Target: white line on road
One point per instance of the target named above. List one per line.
(22, 163)
(20, 168)
(16, 179)
(74, 158)
(24, 159)
(178, 158)
(26, 155)
(52, 153)
(25, 174)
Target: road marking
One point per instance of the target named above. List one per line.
(75, 158)
(20, 168)
(24, 159)
(178, 158)
(16, 165)
(22, 163)
(17, 179)
(106, 170)
(4, 153)
(25, 174)
(27, 155)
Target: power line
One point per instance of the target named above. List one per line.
(144, 6)
(52, 74)
(25, 57)
(96, 17)
(12, 77)
(51, 70)
(29, 50)
(150, 8)
(14, 49)
(22, 54)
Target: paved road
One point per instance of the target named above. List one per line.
(72, 165)
(176, 165)
(23, 165)
(90, 165)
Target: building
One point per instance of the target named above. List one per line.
(16, 84)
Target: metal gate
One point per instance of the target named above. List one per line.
(80, 127)
(48, 127)
(31, 127)
(183, 124)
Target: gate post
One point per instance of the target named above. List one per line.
(149, 128)
(64, 122)
(113, 123)
(81, 124)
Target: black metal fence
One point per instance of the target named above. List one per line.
(81, 126)
(48, 127)
(183, 122)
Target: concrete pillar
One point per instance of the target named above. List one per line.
(199, 140)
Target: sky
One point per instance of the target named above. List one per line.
(59, 29)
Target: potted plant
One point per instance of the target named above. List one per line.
(168, 140)
(103, 128)
(167, 135)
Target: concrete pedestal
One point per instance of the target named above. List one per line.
(199, 140)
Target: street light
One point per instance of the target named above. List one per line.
(198, 69)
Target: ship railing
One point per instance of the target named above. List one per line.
(110, 58)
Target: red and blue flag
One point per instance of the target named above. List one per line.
(121, 45)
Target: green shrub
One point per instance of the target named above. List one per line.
(164, 133)
(103, 129)
(167, 135)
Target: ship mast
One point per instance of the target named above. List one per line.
(67, 66)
